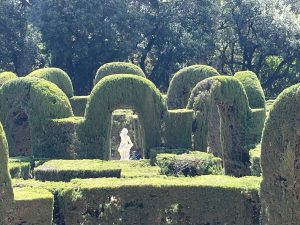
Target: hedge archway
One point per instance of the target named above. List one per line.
(253, 88)
(56, 76)
(117, 68)
(121, 91)
(41, 100)
(184, 81)
(6, 190)
(280, 160)
(226, 96)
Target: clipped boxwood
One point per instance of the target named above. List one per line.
(19, 169)
(179, 128)
(280, 160)
(6, 76)
(253, 88)
(65, 170)
(117, 68)
(79, 104)
(159, 150)
(184, 81)
(56, 76)
(121, 91)
(255, 161)
(6, 190)
(191, 164)
(41, 100)
(228, 94)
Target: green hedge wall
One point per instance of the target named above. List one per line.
(56, 76)
(6, 76)
(79, 104)
(190, 164)
(253, 88)
(6, 190)
(117, 68)
(280, 188)
(184, 81)
(42, 101)
(148, 201)
(179, 129)
(121, 91)
(255, 161)
(65, 170)
(230, 97)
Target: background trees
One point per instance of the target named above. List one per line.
(161, 36)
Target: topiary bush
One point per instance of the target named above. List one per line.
(121, 91)
(6, 190)
(56, 76)
(117, 68)
(159, 150)
(41, 101)
(228, 94)
(253, 88)
(280, 187)
(191, 164)
(184, 81)
(6, 76)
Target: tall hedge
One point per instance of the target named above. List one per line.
(56, 76)
(6, 190)
(115, 92)
(253, 88)
(41, 100)
(6, 76)
(280, 160)
(117, 68)
(228, 94)
(184, 81)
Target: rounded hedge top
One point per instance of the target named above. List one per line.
(6, 190)
(184, 81)
(56, 76)
(6, 76)
(117, 68)
(253, 88)
(280, 160)
(122, 91)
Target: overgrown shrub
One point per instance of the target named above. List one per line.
(184, 81)
(189, 164)
(56, 76)
(117, 68)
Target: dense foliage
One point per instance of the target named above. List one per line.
(159, 36)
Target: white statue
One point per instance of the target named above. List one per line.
(125, 145)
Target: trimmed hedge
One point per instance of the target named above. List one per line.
(56, 76)
(148, 201)
(228, 94)
(78, 104)
(159, 150)
(191, 164)
(121, 91)
(253, 88)
(6, 190)
(179, 129)
(65, 170)
(184, 81)
(280, 188)
(33, 206)
(117, 68)
(41, 100)
(19, 168)
(6, 76)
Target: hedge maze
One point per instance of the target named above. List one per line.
(57, 165)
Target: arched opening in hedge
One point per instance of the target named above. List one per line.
(115, 92)
(280, 160)
(221, 108)
(33, 102)
(126, 118)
